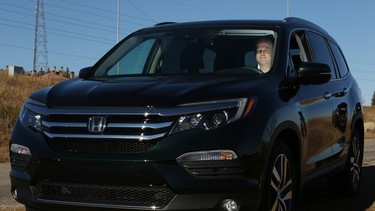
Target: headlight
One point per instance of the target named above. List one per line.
(29, 118)
(227, 111)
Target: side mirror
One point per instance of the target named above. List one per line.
(84, 72)
(313, 73)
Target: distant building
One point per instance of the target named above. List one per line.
(13, 70)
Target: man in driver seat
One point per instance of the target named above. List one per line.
(263, 54)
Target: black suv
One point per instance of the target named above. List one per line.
(179, 116)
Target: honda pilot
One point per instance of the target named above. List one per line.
(182, 116)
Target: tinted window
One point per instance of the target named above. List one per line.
(341, 63)
(321, 51)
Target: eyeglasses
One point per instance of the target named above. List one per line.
(266, 51)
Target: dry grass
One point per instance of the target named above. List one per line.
(13, 93)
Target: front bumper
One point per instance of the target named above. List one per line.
(61, 190)
(53, 180)
(180, 201)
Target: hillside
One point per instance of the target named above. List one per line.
(15, 90)
(13, 93)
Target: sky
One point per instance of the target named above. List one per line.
(78, 33)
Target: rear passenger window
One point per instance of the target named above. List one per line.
(321, 51)
(340, 60)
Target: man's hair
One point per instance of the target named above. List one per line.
(264, 39)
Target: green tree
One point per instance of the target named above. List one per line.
(373, 99)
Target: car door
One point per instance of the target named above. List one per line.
(340, 101)
(315, 106)
(335, 92)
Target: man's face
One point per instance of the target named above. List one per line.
(264, 53)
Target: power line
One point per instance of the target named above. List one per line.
(364, 79)
(183, 4)
(356, 71)
(137, 8)
(362, 62)
(54, 52)
(101, 10)
(59, 30)
(15, 46)
(64, 35)
(80, 20)
(17, 27)
(60, 21)
(80, 25)
(101, 16)
(108, 11)
(94, 25)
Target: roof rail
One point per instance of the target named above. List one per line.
(290, 19)
(295, 19)
(164, 23)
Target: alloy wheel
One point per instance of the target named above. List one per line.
(281, 184)
(355, 162)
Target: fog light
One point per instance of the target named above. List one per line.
(208, 155)
(19, 149)
(230, 205)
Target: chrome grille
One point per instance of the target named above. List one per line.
(122, 133)
(131, 196)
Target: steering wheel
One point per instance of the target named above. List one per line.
(244, 69)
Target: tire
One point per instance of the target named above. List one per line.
(280, 187)
(31, 209)
(347, 182)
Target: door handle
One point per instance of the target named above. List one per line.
(342, 93)
(327, 95)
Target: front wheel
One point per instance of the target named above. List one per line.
(280, 187)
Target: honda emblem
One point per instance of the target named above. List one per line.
(97, 124)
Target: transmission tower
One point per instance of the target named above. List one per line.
(40, 42)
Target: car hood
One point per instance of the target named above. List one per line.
(146, 91)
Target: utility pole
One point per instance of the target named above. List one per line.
(118, 21)
(118, 32)
(40, 39)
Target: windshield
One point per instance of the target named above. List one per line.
(189, 51)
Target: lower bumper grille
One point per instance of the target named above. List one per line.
(100, 146)
(153, 196)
